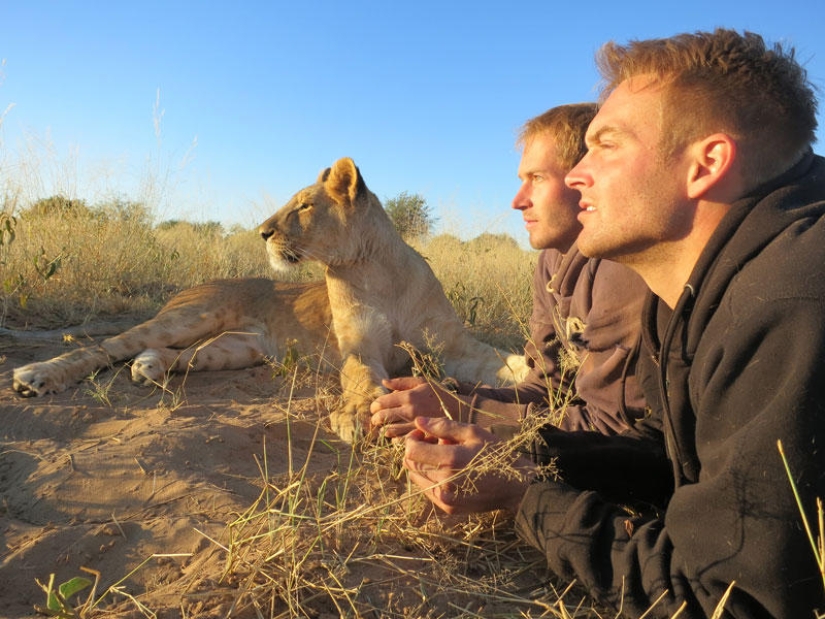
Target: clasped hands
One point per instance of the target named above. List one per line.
(446, 458)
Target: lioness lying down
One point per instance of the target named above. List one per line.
(225, 324)
(379, 292)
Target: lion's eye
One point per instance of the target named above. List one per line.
(303, 206)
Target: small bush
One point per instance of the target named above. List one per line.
(411, 215)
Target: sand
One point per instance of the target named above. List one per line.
(147, 488)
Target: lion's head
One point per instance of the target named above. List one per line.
(327, 221)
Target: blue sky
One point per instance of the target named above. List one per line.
(255, 98)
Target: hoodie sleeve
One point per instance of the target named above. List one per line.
(585, 333)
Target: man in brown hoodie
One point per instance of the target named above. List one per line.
(586, 316)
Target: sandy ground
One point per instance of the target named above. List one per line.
(110, 475)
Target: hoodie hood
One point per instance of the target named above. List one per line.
(788, 205)
(795, 199)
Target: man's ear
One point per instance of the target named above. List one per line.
(711, 165)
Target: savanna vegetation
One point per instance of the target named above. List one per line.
(65, 262)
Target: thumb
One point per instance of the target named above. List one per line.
(402, 383)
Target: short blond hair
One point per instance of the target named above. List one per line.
(724, 81)
(567, 124)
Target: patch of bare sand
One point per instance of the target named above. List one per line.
(166, 492)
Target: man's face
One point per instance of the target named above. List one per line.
(549, 207)
(634, 204)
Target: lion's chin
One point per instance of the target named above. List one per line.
(282, 259)
(283, 265)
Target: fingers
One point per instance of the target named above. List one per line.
(401, 407)
(439, 455)
(397, 430)
(443, 495)
(402, 383)
(443, 445)
(454, 432)
(426, 452)
(409, 392)
(393, 400)
(391, 415)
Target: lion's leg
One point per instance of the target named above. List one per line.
(469, 360)
(514, 370)
(361, 384)
(58, 374)
(227, 351)
(493, 367)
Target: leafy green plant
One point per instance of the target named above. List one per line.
(7, 234)
(59, 600)
(46, 267)
(466, 305)
(62, 601)
(102, 390)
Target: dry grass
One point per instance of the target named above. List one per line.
(359, 543)
(65, 267)
(489, 282)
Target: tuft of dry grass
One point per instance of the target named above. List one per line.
(360, 542)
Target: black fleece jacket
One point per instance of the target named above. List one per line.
(736, 367)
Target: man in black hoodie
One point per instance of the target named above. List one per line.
(700, 177)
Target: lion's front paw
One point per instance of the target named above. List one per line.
(148, 368)
(37, 379)
(352, 421)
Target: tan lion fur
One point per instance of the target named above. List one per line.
(381, 292)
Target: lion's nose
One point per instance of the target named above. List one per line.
(265, 234)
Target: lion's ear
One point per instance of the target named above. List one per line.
(322, 177)
(343, 181)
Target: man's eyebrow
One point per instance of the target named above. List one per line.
(599, 134)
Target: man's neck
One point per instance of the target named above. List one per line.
(666, 267)
(665, 274)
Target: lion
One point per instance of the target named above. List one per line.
(381, 292)
(378, 293)
(226, 324)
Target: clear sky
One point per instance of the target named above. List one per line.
(253, 99)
